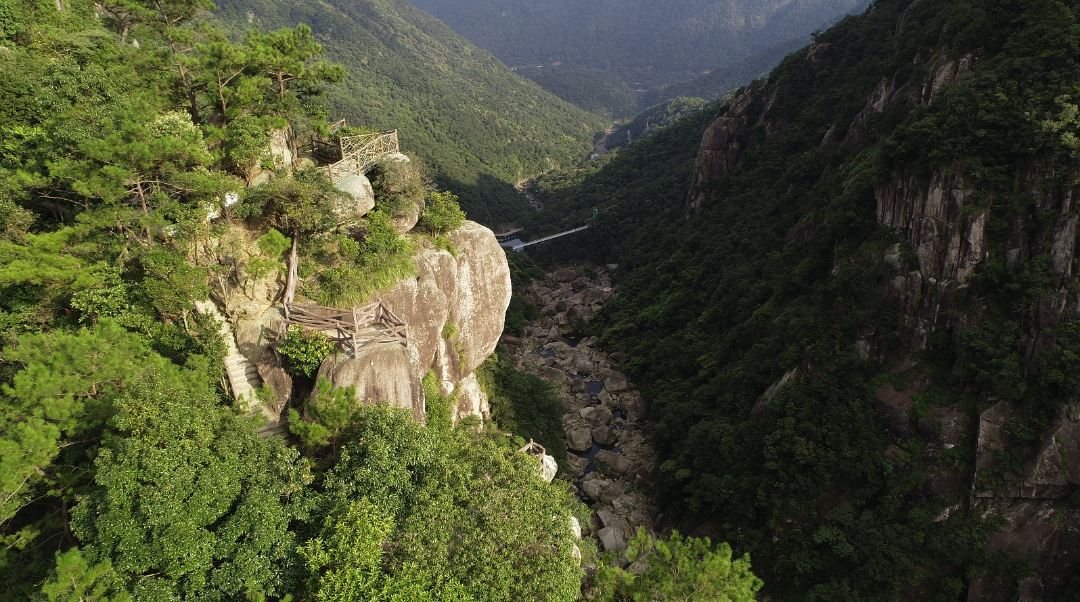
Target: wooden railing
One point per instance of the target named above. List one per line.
(359, 153)
(347, 323)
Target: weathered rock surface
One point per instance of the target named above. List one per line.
(272, 371)
(720, 148)
(472, 292)
(579, 438)
(360, 201)
(612, 464)
(406, 220)
(615, 382)
(380, 372)
(604, 435)
(1040, 531)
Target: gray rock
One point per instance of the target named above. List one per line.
(592, 295)
(553, 374)
(595, 489)
(360, 201)
(567, 275)
(612, 464)
(577, 385)
(272, 371)
(615, 491)
(582, 365)
(604, 397)
(553, 334)
(597, 415)
(607, 517)
(604, 435)
(579, 438)
(620, 358)
(615, 382)
(380, 372)
(548, 468)
(577, 464)
(613, 539)
(405, 221)
(638, 409)
(578, 317)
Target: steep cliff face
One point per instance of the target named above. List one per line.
(454, 308)
(720, 148)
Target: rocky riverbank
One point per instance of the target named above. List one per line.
(606, 420)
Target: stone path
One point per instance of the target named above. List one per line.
(611, 454)
(243, 375)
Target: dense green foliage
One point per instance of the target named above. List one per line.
(458, 513)
(305, 350)
(785, 267)
(679, 568)
(190, 503)
(594, 90)
(127, 473)
(639, 40)
(523, 404)
(654, 118)
(476, 126)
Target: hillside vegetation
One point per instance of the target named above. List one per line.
(642, 41)
(476, 126)
(794, 261)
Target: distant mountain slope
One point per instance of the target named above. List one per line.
(648, 41)
(477, 126)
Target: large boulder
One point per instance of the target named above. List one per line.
(405, 220)
(470, 291)
(612, 464)
(579, 438)
(615, 382)
(272, 372)
(380, 372)
(577, 464)
(360, 201)
(604, 435)
(471, 399)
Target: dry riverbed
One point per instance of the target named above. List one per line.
(606, 420)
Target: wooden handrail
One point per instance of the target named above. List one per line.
(347, 323)
(359, 153)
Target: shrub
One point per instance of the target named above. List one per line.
(305, 350)
(397, 186)
(442, 213)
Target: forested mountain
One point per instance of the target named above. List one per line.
(851, 293)
(477, 126)
(642, 41)
(176, 423)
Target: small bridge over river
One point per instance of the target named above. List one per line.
(353, 155)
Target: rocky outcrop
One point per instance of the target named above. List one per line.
(360, 201)
(720, 148)
(1044, 534)
(379, 372)
(454, 308)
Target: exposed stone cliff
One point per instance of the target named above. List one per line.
(454, 308)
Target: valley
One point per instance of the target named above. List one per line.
(263, 336)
